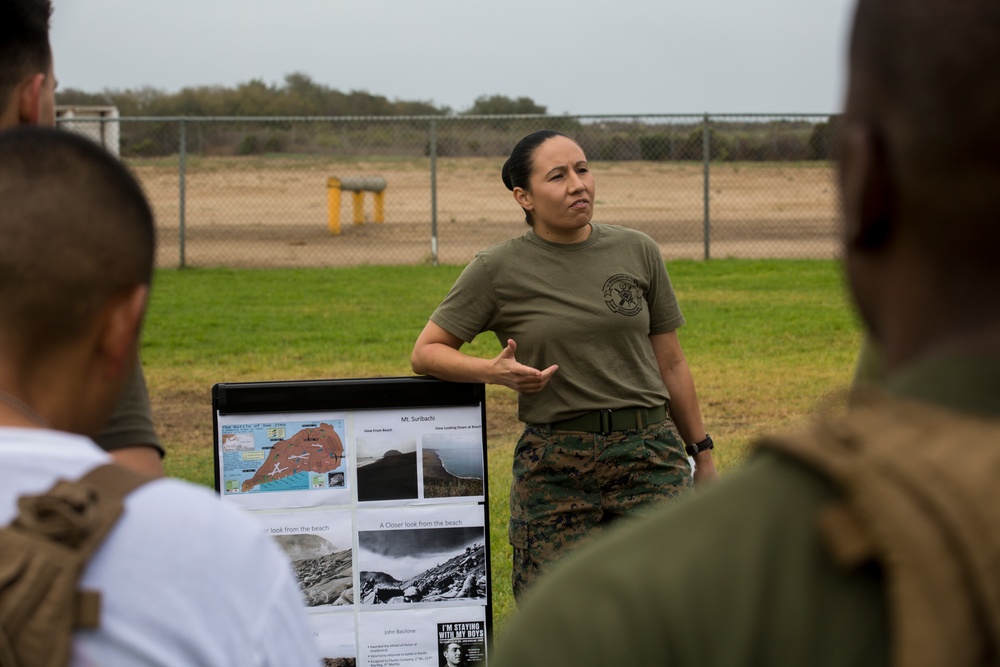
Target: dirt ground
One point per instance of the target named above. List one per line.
(273, 212)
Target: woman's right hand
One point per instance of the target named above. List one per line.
(437, 353)
(509, 372)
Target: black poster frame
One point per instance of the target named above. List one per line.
(232, 399)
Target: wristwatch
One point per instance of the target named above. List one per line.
(699, 447)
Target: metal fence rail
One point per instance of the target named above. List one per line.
(255, 192)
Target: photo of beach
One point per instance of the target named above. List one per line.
(319, 546)
(453, 465)
(422, 565)
(387, 468)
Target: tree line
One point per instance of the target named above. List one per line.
(298, 95)
(373, 126)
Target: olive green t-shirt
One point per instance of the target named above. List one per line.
(131, 424)
(870, 367)
(735, 574)
(589, 307)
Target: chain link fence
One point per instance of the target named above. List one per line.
(257, 192)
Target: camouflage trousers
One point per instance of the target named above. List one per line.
(567, 485)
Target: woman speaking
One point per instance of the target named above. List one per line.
(587, 319)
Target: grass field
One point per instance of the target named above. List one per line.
(766, 341)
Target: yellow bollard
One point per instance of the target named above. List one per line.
(380, 206)
(359, 207)
(333, 204)
(358, 187)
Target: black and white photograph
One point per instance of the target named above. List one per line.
(319, 546)
(422, 565)
(461, 643)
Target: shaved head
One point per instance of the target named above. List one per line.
(925, 76)
(24, 43)
(920, 156)
(76, 230)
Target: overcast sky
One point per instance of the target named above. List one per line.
(577, 56)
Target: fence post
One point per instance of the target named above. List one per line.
(434, 208)
(182, 169)
(706, 151)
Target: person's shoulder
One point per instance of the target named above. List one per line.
(182, 508)
(622, 236)
(501, 259)
(182, 494)
(182, 491)
(205, 564)
(620, 231)
(174, 529)
(503, 248)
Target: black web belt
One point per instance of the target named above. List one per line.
(606, 421)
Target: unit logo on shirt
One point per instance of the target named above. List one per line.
(622, 294)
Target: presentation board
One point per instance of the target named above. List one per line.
(377, 490)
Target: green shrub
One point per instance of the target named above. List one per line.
(248, 146)
(823, 140)
(142, 148)
(719, 148)
(274, 144)
(655, 147)
(327, 140)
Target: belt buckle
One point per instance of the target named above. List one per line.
(606, 426)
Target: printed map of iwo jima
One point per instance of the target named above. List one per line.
(284, 456)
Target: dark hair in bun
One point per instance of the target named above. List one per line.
(517, 169)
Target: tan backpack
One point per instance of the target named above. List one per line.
(920, 489)
(43, 552)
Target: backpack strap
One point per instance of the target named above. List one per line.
(918, 495)
(115, 480)
(48, 546)
(79, 514)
